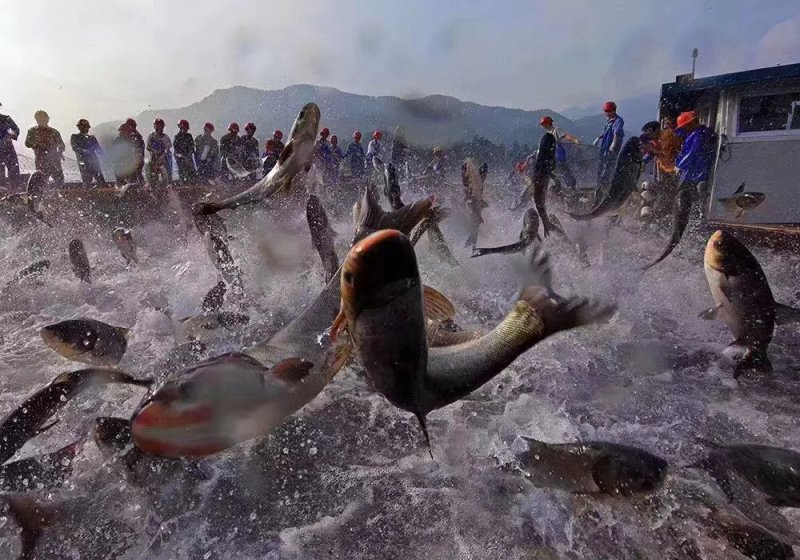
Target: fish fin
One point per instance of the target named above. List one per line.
(287, 151)
(785, 314)
(739, 213)
(32, 517)
(338, 323)
(46, 427)
(754, 360)
(740, 190)
(711, 313)
(424, 426)
(436, 306)
(291, 370)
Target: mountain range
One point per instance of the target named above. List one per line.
(426, 121)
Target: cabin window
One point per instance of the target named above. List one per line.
(769, 113)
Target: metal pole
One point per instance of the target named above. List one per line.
(695, 52)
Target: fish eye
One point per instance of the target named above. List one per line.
(348, 277)
(301, 115)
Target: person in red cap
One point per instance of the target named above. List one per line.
(357, 157)
(184, 153)
(277, 137)
(609, 142)
(9, 132)
(159, 146)
(229, 146)
(270, 156)
(87, 150)
(207, 154)
(375, 148)
(249, 149)
(323, 157)
(138, 142)
(562, 167)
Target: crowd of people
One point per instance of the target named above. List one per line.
(681, 149)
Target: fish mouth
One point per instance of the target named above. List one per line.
(714, 257)
(172, 430)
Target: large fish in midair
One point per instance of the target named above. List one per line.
(123, 239)
(528, 234)
(220, 255)
(296, 156)
(322, 236)
(87, 341)
(623, 181)
(742, 201)
(382, 308)
(80, 261)
(392, 187)
(743, 299)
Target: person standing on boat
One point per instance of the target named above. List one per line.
(228, 147)
(124, 154)
(48, 148)
(695, 157)
(355, 154)
(138, 143)
(248, 146)
(609, 142)
(87, 150)
(662, 145)
(207, 154)
(277, 138)
(562, 167)
(375, 148)
(9, 164)
(159, 145)
(184, 153)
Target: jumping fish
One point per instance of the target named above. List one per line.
(41, 471)
(215, 298)
(743, 299)
(296, 156)
(322, 236)
(80, 261)
(382, 308)
(87, 341)
(31, 271)
(220, 256)
(123, 239)
(392, 187)
(528, 234)
(742, 201)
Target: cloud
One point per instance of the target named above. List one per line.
(781, 44)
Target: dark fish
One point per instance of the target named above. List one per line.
(215, 298)
(772, 470)
(34, 192)
(623, 181)
(541, 175)
(43, 471)
(322, 236)
(123, 239)
(220, 256)
(430, 225)
(528, 234)
(681, 210)
(370, 217)
(592, 467)
(392, 187)
(382, 307)
(742, 201)
(295, 157)
(751, 540)
(80, 261)
(743, 299)
(31, 271)
(211, 223)
(87, 340)
(196, 328)
(28, 420)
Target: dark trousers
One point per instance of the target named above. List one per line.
(605, 170)
(9, 166)
(186, 171)
(563, 170)
(206, 169)
(91, 172)
(50, 166)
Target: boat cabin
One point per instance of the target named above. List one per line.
(756, 116)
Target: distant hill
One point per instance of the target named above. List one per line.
(427, 121)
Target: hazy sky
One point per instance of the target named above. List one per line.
(107, 59)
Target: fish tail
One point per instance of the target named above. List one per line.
(683, 207)
(424, 426)
(32, 518)
(755, 359)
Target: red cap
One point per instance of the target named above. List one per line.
(377, 135)
(547, 120)
(209, 126)
(324, 132)
(278, 134)
(183, 123)
(250, 126)
(233, 127)
(126, 128)
(685, 118)
(520, 166)
(609, 106)
(357, 135)
(158, 122)
(131, 123)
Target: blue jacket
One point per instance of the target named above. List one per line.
(8, 129)
(696, 156)
(355, 153)
(613, 128)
